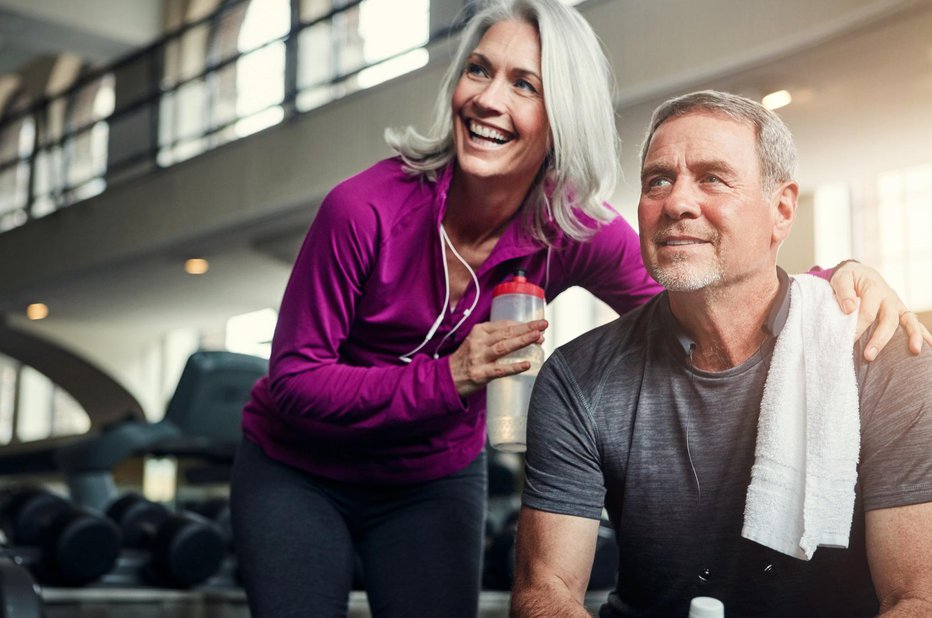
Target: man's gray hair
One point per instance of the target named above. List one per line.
(776, 150)
(582, 169)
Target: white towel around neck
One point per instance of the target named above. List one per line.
(802, 486)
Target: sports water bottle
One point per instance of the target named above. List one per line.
(507, 398)
(706, 607)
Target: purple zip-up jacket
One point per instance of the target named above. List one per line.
(366, 288)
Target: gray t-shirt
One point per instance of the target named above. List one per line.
(619, 417)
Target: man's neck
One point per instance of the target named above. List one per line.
(726, 323)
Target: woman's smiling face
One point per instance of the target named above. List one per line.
(500, 126)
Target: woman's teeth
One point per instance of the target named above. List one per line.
(488, 133)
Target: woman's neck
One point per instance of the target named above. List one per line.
(479, 211)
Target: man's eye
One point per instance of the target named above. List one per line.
(712, 178)
(659, 181)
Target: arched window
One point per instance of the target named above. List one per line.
(17, 140)
(228, 77)
(85, 148)
(32, 407)
(260, 71)
(242, 96)
(360, 47)
(183, 107)
(71, 156)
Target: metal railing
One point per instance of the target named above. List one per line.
(135, 132)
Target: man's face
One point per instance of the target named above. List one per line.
(704, 219)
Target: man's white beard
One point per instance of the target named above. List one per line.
(683, 276)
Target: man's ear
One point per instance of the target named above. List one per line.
(784, 212)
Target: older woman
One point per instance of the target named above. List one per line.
(366, 439)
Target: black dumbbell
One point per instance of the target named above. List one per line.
(499, 563)
(503, 476)
(184, 548)
(75, 546)
(19, 594)
(605, 561)
(499, 567)
(217, 510)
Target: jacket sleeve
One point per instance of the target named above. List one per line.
(306, 375)
(609, 265)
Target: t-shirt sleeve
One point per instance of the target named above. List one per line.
(563, 464)
(896, 426)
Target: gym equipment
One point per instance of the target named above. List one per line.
(217, 510)
(70, 545)
(202, 421)
(499, 560)
(19, 593)
(499, 565)
(184, 549)
(605, 561)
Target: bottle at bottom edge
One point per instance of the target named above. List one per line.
(706, 607)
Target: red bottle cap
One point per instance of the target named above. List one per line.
(518, 285)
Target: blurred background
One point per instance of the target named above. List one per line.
(160, 160)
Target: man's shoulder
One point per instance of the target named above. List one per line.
(619, 341)
(895, 359)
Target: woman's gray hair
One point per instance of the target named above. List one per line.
(776, 150)
(582, 169)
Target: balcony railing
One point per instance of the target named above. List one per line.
(211, 81)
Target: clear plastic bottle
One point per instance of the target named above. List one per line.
(507, 398)
(706, 607)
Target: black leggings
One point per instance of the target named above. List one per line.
(297, 537)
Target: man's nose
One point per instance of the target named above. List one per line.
(683, 201)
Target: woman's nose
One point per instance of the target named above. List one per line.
(492, 96)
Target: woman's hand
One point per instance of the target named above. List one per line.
(474, 364)
(879, 304)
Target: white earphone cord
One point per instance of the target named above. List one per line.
(445, 241)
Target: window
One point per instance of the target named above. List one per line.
(44, 410)
(183, 109)
(360, 47)
(251, 333)
(884, 222)
(8, 370)
(17, 139)
(73, 138)
(260, 72)
(85, 149)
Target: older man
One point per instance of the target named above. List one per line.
(658, 416)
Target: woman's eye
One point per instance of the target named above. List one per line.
(523, 84)
(474, 69)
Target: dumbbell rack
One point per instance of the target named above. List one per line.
(104, 602)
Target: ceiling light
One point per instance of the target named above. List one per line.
(37, 311)
(195, 266)
(776, 100)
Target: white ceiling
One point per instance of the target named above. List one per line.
(96, 30)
